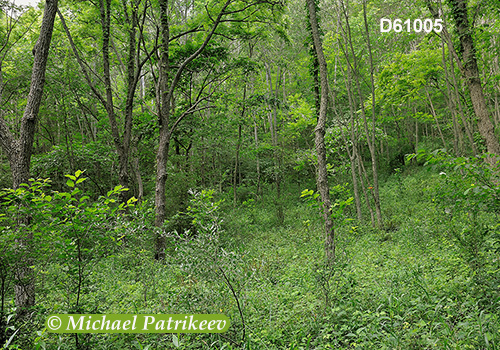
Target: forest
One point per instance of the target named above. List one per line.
(325, 174)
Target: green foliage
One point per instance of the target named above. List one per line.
(340, 202)
(66, 236)
(97, 158)
(469, 200)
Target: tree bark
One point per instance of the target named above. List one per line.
(121, 148)
(165, 93)
(467, 63)
(237, 163)
(122, 142)
(470, 72)
(457, 131)
(371, 145)
(322, 174)
(19, 150)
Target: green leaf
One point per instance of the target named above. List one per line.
(175, 340)
(70, 183)
(78, 173)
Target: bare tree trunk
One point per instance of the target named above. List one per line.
(362, 171)
(354, 154)
(133, 69)
(457, 131)
(236, 164)
(122, 148)
(497, 109)
(163, 105)
(256, 140)
(371, 145)
(322, 174)
(19, 152)
(137, 171)
(433, 111)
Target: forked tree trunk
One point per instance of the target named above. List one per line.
(322, 174)
(165, 93)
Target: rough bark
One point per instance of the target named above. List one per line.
(19, 150)
(467, 63)
(322, 174)
(470, 72)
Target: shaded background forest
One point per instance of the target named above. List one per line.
(179, 140)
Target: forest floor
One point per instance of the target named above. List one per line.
(405, 287)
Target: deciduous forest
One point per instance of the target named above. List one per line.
(325, 173)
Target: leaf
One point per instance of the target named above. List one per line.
(70, 183)
(175, 340)
(71, 177)
(78, 173)
(131, 201)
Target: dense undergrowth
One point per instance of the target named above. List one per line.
(423, 282)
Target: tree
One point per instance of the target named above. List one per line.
(19, 149)
(467, 63)
(132, 22)
(322, 174)
(169, 77)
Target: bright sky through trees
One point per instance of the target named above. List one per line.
(27, 2)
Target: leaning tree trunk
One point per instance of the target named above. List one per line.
(471, 75)
(19, 152)
(467, 62)
(322, 174)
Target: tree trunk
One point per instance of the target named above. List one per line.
(236, 164)
(322, 174)
(256, 141)
(362, 171)
(353, 155)
(470, 72)
(121, 148)
(371, 145)
(457, 131)
(137, 171)
(433, 112)
(19, 152)
(165, 93)
(467, 127)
